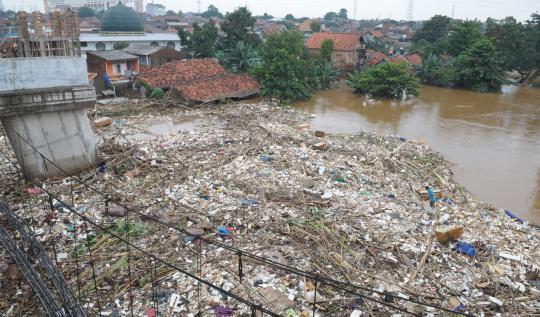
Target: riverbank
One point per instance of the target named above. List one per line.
(493, 139)
(344, 206)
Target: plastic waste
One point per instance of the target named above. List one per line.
(511, 215)
(249, 202)
(465, 248)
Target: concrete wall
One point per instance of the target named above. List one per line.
(64, 137)
(39, 73)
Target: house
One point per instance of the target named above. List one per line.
(122, 24)
(89, 25)
(349, 48)
(376, 57)
(305, 27)
(271, 28)
(116, 64)
(414, 58)
(200, 80)
(153, 55)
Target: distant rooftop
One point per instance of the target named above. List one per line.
(113, 55)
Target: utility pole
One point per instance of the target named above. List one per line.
(453, 8)
(199, 6)
(410, 11)
(355, 4)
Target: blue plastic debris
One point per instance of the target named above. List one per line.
(101, 168)
(402, 139)
(511, 215)
(223, 231)
(460, 308)
(204, 196)
(248, 202)
(265, 158)
(448, 200)
(465, 248)
(391, 196)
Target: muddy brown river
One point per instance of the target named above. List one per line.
(494, 139)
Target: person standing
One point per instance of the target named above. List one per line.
(431, 195)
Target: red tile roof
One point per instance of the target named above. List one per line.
(181, 71)
(376, 33)
(200, 80)
(272, 28)
(398, 59)
(414, 59)
(225, 86)
(342, 41)
(376, 57)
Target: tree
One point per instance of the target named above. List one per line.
(463, 34)
(284, 73)
(180, 13)
(535, 24)
(240, 59)
(289, 17)
(120, 45)
(239, 26)
(186, 42)
(516, 42)
(343, 14)
(203, 41)
(480, 67)
(212, 12)
(327, 74)
(330, 16)
(170, 13)
(315, 26)
(434, 29)
(385, 81)
(86, 12)
(435, 71)
(265, 16)
(327, 47)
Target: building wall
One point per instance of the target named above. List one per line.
(109, 45)
(344, 60)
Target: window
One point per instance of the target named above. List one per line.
(100, 46)
(118, 68)
(154, 43)
(171, 45)
(84, 44)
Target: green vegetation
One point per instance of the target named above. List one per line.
(435, 71)
(289, 17)
(480, 67)
(517, 44)
(238, 26)
(457, 53)
(286, 72)
(212, 12)
(120, 45)
(157, 93)
(327, 47)
(315, 26)
(384, 81)
(239, 59)
(343, 14)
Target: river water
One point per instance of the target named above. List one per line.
(494, 139)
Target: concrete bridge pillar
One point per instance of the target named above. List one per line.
(43, 102)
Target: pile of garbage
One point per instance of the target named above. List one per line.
(254, 176)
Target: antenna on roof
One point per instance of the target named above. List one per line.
(410, 11)
(199, 6)
(355, 3)
(453, 8)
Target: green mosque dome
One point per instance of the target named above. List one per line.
(121, 19)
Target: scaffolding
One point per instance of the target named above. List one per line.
(34, 42)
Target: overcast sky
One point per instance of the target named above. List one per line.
(396, 9)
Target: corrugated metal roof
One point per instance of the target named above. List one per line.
(145, 50)
(113, 55)
(95, 37)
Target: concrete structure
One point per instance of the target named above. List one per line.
(44, 94)
(101, 42)
(155, 9)
(63, 5)
(116, 64)
(43, 101)
(153, 55)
